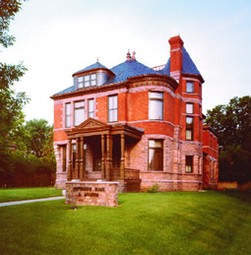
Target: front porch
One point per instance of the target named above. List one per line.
(97, 152)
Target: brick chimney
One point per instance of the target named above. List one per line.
(176, 45)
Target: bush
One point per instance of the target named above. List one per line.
(154, 188)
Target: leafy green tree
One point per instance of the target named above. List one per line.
(232, 122)
(38, 137)
(11, 102)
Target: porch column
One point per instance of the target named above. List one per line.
(76, 170)
(108, 157)
(69, 173)
(103, 156)
(122, 160)
(81, 160)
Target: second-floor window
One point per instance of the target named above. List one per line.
(155, 105)
(67, 114)
(91, 108)
(79, 112)
(113, 108)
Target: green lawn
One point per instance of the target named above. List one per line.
(28, 193)
(162, 223)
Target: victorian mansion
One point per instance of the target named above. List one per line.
(137, 125)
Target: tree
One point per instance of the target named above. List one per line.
(11, 103)
(38, 137)
(232, 122)
(32, 161)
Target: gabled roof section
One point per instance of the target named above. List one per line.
(129, 69)
(93, 67)
(87, 128)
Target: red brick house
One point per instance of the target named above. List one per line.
(138, 125)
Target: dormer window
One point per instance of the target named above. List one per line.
(86, 80)
(90, 80)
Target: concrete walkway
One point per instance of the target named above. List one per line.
(30, 201)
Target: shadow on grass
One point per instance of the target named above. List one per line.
(244, 196)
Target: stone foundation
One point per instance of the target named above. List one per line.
(92, 193)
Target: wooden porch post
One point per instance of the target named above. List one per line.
(103, 156)
(108, 157)
(122, 160)
(76, 170)
(69, 173)
(81, 160)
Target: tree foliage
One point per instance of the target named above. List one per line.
(11, 102)
(25, 149)
(37, 136)
(8, 10)
(232, 122)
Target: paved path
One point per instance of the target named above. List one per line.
(30, 201)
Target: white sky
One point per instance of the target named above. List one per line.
(55, 38)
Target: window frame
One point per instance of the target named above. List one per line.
(157, 152)
(88, 80)
(67, 121)
(78, 109)
(192, 108)
(64, 158)
(189, 87)
(152, 98)
(189, 164)
(189, 128)
(91, 113)
(112, 108)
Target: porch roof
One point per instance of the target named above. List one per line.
(92, 127)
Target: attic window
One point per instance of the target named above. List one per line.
(87, 80)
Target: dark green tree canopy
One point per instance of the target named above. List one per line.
(38, 137)
(232, 122)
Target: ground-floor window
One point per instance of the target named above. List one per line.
(63, 158)
(189, 164)
(155, 155)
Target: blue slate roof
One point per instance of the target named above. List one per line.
(133, 68)
(129, 69)
(188, 66)
(68, 90)
(96, 65)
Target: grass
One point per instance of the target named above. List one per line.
(144, 223)
(28, 193)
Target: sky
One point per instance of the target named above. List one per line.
(55, 38)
